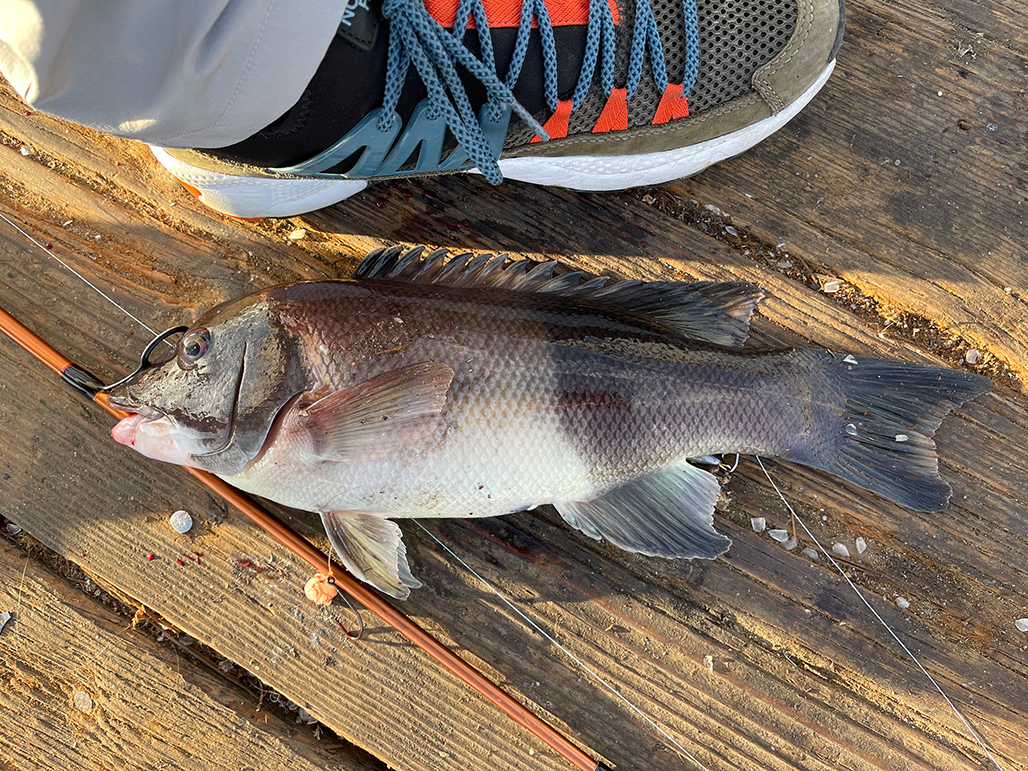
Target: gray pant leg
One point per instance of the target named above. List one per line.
(176, 73)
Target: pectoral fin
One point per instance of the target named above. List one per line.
(378, 417)
(371, 547)
(666, 514)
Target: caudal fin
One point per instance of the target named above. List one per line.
(888, 413)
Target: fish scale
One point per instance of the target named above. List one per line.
(496, 446)
(477, 388)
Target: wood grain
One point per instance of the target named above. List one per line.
(764, 659)
(89, 692)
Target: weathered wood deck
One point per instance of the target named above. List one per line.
(906, 179)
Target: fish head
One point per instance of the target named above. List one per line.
(211, 404)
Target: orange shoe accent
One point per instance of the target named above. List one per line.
(507, 13)
(557, 125)
(198, 195)
(615, 113)
(672, 105)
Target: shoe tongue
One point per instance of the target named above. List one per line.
(359, 24)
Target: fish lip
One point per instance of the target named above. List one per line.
(129, 404)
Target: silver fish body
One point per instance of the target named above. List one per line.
(471, 389)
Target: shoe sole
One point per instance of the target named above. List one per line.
(595, 173)
(259, 197)
(252, 198)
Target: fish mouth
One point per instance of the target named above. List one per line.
(120, 398)
(153, 434)
(126, 404)
(127, 429)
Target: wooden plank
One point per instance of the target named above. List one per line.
(86, 688)
(243, 597)
(801, 676)
(331, 674)
(907, 178)
(739, 746)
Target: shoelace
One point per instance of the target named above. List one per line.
(417, 38)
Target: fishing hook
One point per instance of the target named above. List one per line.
(343, 596)
(87, 383)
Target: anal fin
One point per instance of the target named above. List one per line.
(371, 547)
(669, 513)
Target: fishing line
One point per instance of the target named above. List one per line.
(302, 548)
(532, 623)
(88, 283)
(539, 629)
(875, 613)
(736, 464)
(24, 572)
(510, 604)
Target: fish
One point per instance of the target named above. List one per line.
(478, 386)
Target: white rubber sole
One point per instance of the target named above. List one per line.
(258, 197)
(605, 173)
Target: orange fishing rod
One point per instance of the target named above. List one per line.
(89, 385)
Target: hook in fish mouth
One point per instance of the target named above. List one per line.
(144, 358)
(89, 384)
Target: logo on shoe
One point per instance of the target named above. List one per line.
(351, 11)
(359, 24)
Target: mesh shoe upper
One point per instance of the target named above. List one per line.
(585, 68)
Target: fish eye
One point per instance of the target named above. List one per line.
(195, 344)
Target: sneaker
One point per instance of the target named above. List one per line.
(585, 94)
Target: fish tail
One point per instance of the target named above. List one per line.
(885, 415)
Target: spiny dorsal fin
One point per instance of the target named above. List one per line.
(704, 311)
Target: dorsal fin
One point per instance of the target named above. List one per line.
(704, 311)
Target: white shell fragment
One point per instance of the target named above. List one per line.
(13, 529)
(840, 549)
(758, 524)
(861, 545)
(811, 553)
(830, 285)
(83, 701)
(973, 356)
(902, 438)
(6, 616)
(1021, 624)
(297, 234)
(779, 535)
(181, 521)
(850, 359)
(851, 429)
(903, 602)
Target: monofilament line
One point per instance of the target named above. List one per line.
(68, 267)
(510, 604)
(883, 622)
